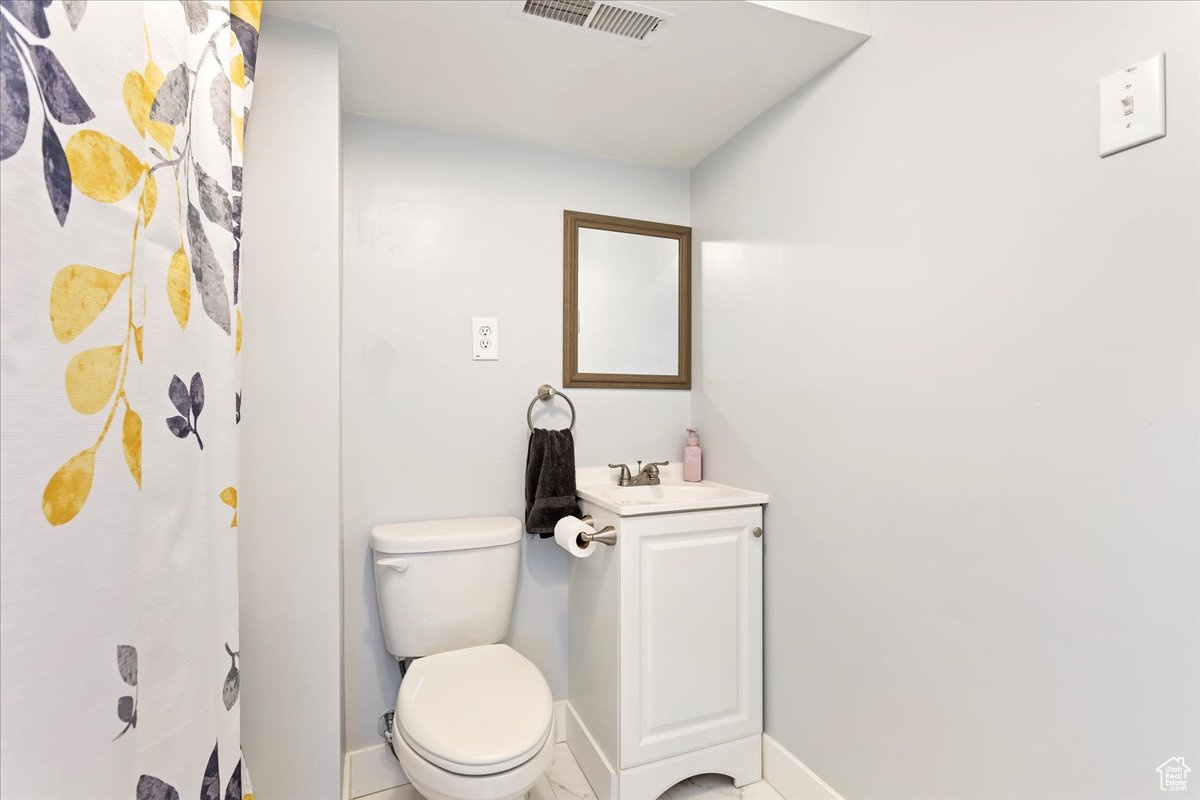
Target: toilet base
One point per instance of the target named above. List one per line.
(435, 783)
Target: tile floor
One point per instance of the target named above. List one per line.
(565, 781)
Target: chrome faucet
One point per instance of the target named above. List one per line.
(647, 475)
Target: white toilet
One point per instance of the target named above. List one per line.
(474, 719)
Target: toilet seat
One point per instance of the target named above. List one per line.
(476, 711)
(434, 783)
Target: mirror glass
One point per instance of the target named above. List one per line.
(628, 303)
(626, 310)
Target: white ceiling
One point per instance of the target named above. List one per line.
(475, 66)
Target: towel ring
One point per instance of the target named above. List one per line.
(546, 392)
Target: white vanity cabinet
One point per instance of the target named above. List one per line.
(665, 650)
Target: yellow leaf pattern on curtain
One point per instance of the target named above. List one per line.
(239, 126)
(229, 498)
(131, 442)
(78, 296)
(92, 377)
(248, 10)
(149, 199)
(69, 487)
(101, 167)
(179, 287)
(237, 71)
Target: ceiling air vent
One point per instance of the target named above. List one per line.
(620, 21)
(572, 12)
(630, 21)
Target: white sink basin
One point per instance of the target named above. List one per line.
(598, 485)
(663, 493)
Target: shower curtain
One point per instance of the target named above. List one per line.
(121, 127)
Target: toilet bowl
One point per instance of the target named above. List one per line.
(474, 724)
(474, 718)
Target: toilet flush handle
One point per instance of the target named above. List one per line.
(398, 564)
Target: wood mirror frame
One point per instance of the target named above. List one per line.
(572, 377)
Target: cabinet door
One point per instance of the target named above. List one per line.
(690, 631)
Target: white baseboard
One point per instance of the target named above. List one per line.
(591, 760)
(787, 775)
(374, 769)
(560, 720)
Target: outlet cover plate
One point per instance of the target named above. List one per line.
(485, 339)
(1133, 105)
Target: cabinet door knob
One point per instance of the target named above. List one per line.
(758, 533)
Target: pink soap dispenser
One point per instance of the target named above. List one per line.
(691, 457)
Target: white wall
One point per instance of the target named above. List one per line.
(290, 516)
(440, 227)
(853, 15)
(961, 352)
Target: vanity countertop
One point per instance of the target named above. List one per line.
(599, 485)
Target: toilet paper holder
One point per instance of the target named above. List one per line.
(606, 535)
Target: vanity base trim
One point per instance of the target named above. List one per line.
(741, 759)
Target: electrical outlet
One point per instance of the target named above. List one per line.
(485, 339)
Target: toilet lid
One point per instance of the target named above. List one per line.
(476, 711)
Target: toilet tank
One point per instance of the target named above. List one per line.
(445, 584)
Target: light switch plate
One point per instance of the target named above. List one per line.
(485, 339)
(1133, 106)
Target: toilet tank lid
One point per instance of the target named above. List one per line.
(436, 535)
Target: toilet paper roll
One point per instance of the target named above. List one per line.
(566, 534)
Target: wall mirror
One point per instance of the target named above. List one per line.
(627, 321)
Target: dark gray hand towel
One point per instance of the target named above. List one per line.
(549, 481)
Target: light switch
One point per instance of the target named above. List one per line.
(1133, 106)
(485, 338)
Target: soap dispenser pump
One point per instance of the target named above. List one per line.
(691, 457)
